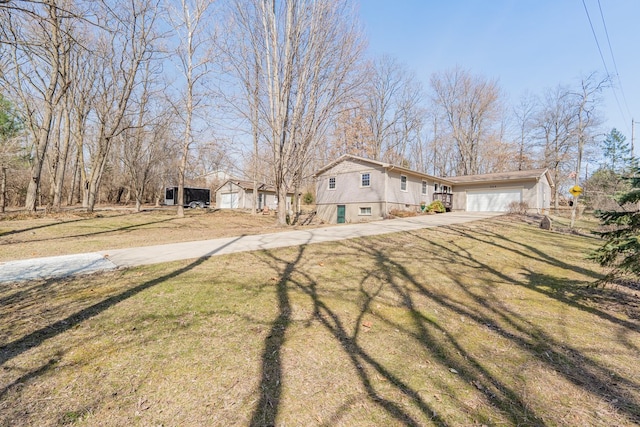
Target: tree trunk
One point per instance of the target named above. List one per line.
(38, 161)
(62, 164)
(74, 182)
(282, 205)
(3, 188)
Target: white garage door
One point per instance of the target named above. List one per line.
(229, 201)
(492, 200)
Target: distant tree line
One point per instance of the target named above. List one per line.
(111, 101)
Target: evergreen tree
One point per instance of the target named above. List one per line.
(622, 248)
(617, 152)
(10, 127)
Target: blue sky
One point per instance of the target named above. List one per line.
(527, 45)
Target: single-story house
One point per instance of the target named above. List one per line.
(356, 189)
(495, 191)
(238, 194)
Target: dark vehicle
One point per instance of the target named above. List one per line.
(193, 197)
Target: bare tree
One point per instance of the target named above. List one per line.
(586, 101)
(472, 109)
(85, 68)
(123, 50)
(189, 19)
(524, 114)
(306, 53)
(144, 142)
(392, 109)
(35, 36)
(555, 124)
(242, 49)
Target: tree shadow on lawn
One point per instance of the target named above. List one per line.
(36, 338)
(493, 317)
(38, 227)
(265, 414)
(561, 357)
(75, 236)
(266, 411)
(428, 332)
(558, 291)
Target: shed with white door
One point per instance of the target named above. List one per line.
(496, 192)
(238, 194)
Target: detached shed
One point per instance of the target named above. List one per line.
(238, 194)
(496, 191)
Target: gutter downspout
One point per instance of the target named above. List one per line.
(386, 187)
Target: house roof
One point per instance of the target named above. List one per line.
(384, 165)
(532, 174)
(247, 185)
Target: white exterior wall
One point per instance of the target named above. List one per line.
(245, 197)
(535, 193)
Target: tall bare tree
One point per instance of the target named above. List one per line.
(128, 44)
(555, 124)
(242, 47)
(524, 115)
(191, 20)
(144, 142)
(35, 39)
(472, 109)
(586, 101)
(306, 53)
(392, 108)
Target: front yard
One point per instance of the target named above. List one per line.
(492, 323)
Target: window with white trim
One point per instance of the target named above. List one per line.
(365, 180)
(332, 183)
(365, 211)
(403, 183)
(435, 187)
(424, 187)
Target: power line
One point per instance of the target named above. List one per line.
(613, 59)
(606, 69)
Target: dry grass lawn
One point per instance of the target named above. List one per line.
(492, 323)
(77, 231)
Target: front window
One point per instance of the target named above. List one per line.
(332, 183)
(365, 211)
(435, 187)
(366, 180)
(424, 187)
(403, 183)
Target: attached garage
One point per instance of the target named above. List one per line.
(492, 200)
(494, 192)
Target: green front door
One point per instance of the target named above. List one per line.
(341, 214)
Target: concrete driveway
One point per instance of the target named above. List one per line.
(67, 265)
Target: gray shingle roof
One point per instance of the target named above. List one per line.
(501, 176)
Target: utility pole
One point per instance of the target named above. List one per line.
(632, 134)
